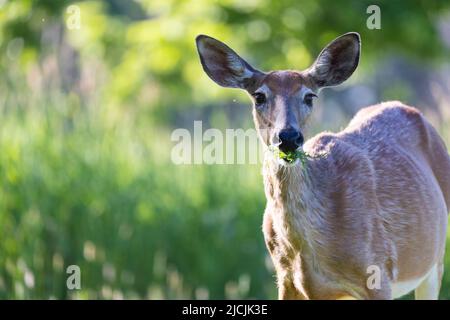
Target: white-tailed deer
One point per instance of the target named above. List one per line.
(374, 203)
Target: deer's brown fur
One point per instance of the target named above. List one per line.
(375, 195)
(379, 197)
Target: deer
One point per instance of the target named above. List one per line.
(370, 200)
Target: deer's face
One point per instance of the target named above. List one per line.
(282, 103)
(282, 100)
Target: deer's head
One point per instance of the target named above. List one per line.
(282, 100)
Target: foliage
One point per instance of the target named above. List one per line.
(158, 52)
(108, 200)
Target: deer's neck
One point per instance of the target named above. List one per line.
(292, 201)
(286, 187)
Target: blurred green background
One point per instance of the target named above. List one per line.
(86, 116)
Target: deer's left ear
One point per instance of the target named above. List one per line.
(223, 65)
(337, 61)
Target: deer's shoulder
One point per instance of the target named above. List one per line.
(333, 154)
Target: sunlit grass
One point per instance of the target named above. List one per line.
(76, 189)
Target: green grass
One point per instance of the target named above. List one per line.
(79, 190)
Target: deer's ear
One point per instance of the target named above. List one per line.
(223, 65)
(337, 61)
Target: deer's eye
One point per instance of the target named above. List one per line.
(309, 99)
(260, 98)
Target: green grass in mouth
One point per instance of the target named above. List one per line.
(292, 156)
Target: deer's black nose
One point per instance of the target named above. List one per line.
(290, 140)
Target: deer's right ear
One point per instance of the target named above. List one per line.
(223, 65)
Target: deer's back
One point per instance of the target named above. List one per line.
(398, 137)
(391, 150)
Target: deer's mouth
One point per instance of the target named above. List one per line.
(288, 163)
(288, 158)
